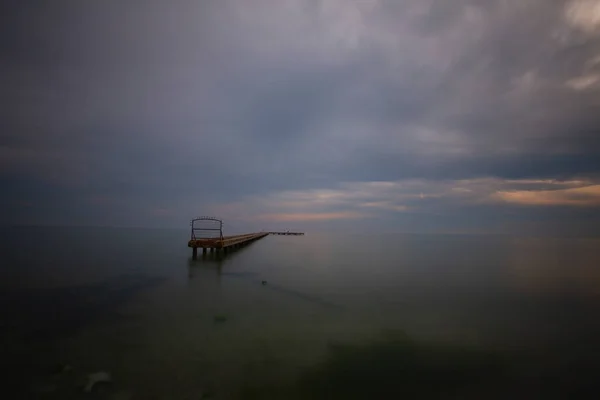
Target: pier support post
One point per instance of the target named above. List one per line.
(195, 253)
(204, 250)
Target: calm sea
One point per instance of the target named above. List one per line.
(339, 316)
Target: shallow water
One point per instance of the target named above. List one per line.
(341, 316)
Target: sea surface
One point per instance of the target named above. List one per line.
(341, 316)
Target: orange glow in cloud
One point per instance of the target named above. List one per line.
(583, 197)
(385, 205)
(310, 216)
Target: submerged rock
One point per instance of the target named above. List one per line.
(206, 395)
(60, 369)
(95, 378)
(220, 318)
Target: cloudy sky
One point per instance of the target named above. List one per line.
(324, 115)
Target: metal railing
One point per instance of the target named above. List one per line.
(201, 231)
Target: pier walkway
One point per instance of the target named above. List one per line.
(210, 237)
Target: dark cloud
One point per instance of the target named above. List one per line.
(168, 109)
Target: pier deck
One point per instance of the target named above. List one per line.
(211, 236)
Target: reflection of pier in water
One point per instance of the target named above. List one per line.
(204, 236)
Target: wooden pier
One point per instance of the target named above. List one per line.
(224, 243)
(211, 237)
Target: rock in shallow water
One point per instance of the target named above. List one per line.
(61, 369)
(95, 378)
(219, 318)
